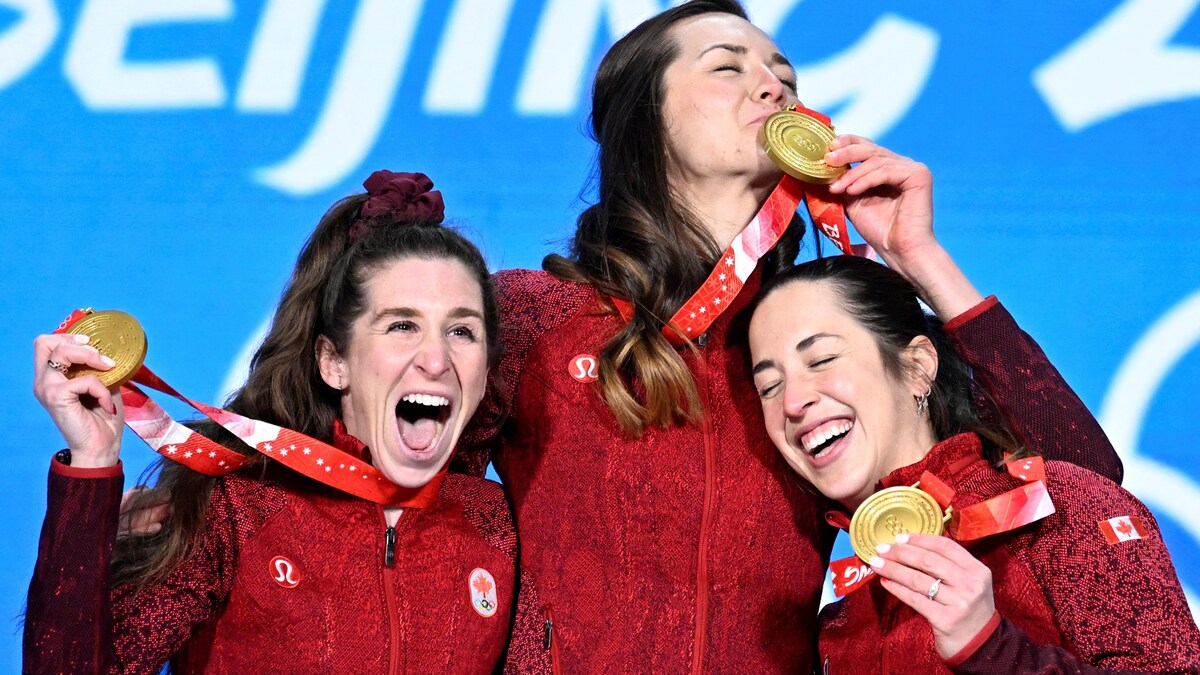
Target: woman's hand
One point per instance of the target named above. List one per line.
(144, 510)
(960, 605)
(87, 414)
(889, 199)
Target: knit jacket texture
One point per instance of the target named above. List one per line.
(1069, 601)
(693, 548)
(287, 576)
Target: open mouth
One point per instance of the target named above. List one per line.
(818, 441)
(422, 419)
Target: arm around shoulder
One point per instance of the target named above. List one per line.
(1032, 396)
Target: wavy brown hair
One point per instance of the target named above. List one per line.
(323, 297)
(639, 242)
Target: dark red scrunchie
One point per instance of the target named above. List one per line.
(401, 196)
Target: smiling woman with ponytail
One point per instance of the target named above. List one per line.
(378, 353)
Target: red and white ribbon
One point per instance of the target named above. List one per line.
(304, 454)
(757, 239)
(1003, 513)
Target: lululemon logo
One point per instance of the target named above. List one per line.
(483, 592)
(284, 572)
(584, 368)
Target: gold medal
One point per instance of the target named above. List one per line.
(890, 512)
(115, 335)
(797, 143)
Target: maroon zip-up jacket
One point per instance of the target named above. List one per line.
(695, 547)
(287, 576)
(1068, 600)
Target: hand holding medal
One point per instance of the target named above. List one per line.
(942, 582)
(889, 198)
(75, 375)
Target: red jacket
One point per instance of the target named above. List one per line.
(1068, 598)
(694, 547)
(287, 577)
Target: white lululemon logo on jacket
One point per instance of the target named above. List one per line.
(483, 592)
(284, 572)
(584, 368)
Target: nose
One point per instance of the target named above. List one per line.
(770, 88)
(433, 358)
(798, 397)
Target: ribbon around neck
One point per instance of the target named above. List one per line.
(742, 256)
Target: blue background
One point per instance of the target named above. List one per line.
(1061, 136)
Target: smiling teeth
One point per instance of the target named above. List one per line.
(815, 438)
(426, 399)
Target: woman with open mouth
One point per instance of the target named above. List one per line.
(377, 356)
(1047, 567)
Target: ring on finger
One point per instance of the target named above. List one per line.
(60, 367)
(933, 589)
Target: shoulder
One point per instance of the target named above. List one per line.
(246, 501)
(1081, 493)
(1097, 528)
(539, 291)
(485, 507)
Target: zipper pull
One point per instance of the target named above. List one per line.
(389, 547)
(549, 633)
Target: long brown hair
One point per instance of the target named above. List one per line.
(323, 297)
(639, 242)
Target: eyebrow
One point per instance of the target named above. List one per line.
(767, 364)
(409, 312)
(776, 58)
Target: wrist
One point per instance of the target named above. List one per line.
(938, 279)
(89, 460)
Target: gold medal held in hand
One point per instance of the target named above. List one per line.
(893, 511)
(797, 143)
(116, 335)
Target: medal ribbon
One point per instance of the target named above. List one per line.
(301, 453)
(1005, 512)
(741, 258)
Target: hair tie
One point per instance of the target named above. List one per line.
(405, 197)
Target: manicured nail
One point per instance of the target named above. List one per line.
(902, 538)
(107, 361)
(875, 562)
(883, 548)
(80, 338)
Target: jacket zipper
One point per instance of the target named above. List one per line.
(548, 641)
(389, 546)
(389, 592)
(701, 641)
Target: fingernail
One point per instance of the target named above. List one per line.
(836, 185)
(883, 548)
(107, 361)
(875, 562)
(80, 338)
(902, 538)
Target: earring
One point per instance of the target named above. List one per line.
(923, 402)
